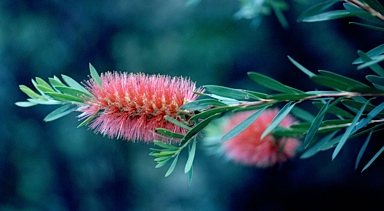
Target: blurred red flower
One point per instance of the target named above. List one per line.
(131, 106)
(247, 147)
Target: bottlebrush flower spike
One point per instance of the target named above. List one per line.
(247, 147)
(131, 106)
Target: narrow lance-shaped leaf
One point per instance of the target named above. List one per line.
(172, 167)
(301, 67)
(242, 125)
(302, 114)
(94, 74)
(278, 118)
(373, 159)
(178, 123)
(168, 134)
(316, 124)
(375, 67)
(190, 175)
(368, 26)
(370, 116)
(373, 53)
(59, 112)
(89, 119)
(74, 84)
(316, 9)
(165, 146)
(25, 104)
(316, 147)
(29, 92)
(371, 63)
(201, 104)
(237, 94)
(362, 149)
(195, 130)
(351, 82)
(191, 156)
(271, 83)
(349, 131)
(331, 15)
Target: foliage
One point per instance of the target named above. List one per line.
(347, 108)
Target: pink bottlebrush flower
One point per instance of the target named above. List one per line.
(247, 147)
(131, 106)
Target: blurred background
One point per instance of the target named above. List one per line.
(54, 166)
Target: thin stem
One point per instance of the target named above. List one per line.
(317, 96)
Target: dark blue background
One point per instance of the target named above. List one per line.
(54, 166)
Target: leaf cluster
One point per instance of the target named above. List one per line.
(346, 108)
(66, 92)
(370, 11)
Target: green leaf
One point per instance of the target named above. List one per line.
(64, 97)
(176, 122)
(370, 116)
(331, 82)
(331, 15)
(210, 112)
(195, 130)
(74, 84)
(163, 162)
(362, 149)
(365, 15)
(301, 67)
(335, 110)
(237, 94)
(353, 84)
(374, 79)
(279, 14)
(368, 26)
(72, 91)
(202, 104)
(373, 54)
(315, 125)
(190, 174)
(278, 118)
(164, 145)
(372, 62)
(349, 131)
(45, 89)
(172, 167)
(373, 159)
(302, 114)
(163, 154)
(375, 67)
(191, 157)
(44, 101)
(168, 134)
(316, 9)
(89, 119)
(331, 143)
(288, 132)
(355, 105)
(29, 92)
(56, 82)
(271, 83)
(41, 83)
(311, 151)
(95, 75)
(242, 125)
(59, 112)
(25, 104)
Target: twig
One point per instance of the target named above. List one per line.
(367, 8)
